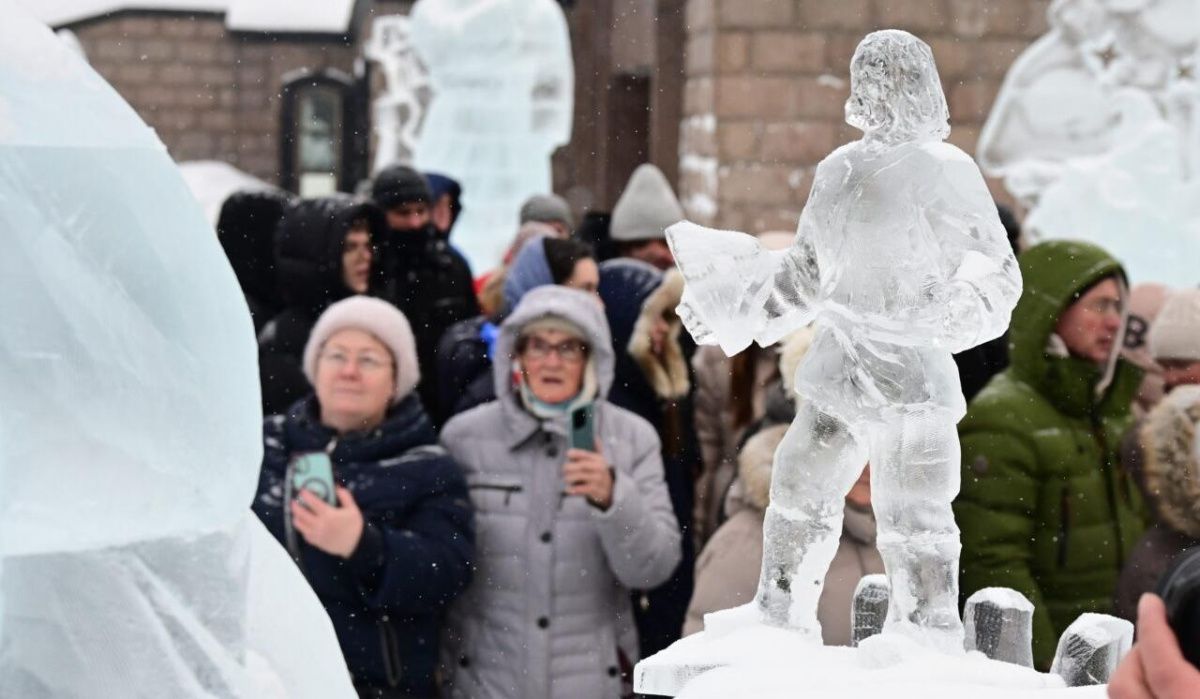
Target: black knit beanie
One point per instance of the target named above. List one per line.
(399, 184)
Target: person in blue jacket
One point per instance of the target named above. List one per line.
(396, 549)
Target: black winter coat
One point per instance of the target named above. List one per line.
(246, 230)
(431, 283)
(387, 600)
(625, 286)
(464, 368)
(308, 250)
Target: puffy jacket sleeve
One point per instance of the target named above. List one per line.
(638, 531)
(268, 501)
(997, 513)
(421, 561)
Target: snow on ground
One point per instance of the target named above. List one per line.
(768, 663)
(317, 16)
(212, 182)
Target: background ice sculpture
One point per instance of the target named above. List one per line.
(1097, 130)
(129, 418)
(396, 113)
(900, 259)
(503, 82)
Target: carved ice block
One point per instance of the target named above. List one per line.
(870, 608)
(1090, 649)
(999, 624)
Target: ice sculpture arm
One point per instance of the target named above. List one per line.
(996, 511)
(639, 532)
(424, 561)
(975, 304)
(737, 292)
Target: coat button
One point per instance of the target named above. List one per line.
(546, 537)
(552, 452)
(543, 622)
(612, 671)
(464, 661)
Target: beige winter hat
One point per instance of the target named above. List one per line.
(1175, 333)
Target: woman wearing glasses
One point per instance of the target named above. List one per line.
(572, 508)
(391, 546)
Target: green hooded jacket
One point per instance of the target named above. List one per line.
(1045, 508)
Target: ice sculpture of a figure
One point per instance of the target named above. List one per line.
(900, 259)
(399, 110)
(129, 419)
(503, 98)
(1058, 99)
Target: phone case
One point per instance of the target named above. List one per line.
(313, 471)
(583, 433)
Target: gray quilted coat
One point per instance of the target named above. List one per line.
(548, 613)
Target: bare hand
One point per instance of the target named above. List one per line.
(1155, 668)
(334, 530)
(588, 474)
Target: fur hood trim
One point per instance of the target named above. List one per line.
(791, 351)
(667, 375)
(1172, 459)
(754, 465)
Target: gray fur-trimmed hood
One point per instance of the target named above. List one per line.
(577, 307)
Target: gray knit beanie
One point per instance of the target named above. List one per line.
(547, 208)
(379, 318)
(646, 207)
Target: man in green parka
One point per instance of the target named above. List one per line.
(1045, 508)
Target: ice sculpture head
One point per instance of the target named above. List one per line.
(895, 92)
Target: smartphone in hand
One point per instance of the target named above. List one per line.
(313, 471)
(583, 431)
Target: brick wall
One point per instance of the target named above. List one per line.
(209, 93)
(767, 81)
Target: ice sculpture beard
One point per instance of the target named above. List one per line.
(899, 260)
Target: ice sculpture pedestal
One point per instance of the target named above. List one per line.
(764, 663)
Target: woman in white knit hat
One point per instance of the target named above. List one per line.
(391, 545)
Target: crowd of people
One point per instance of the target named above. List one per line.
(541, 479)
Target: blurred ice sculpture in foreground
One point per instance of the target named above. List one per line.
(1096, 130)
(503, 98)
(900, 260)
(129, 420)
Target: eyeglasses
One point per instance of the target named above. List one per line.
(367, 363)
(1105, 306)
(572, 351)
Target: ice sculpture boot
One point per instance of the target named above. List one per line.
(924, 594)
(799, 549)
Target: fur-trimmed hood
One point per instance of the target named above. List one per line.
(668, 374)
(1171, 460)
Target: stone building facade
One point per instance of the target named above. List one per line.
(736, 100)
(767, 81)
(213, 93)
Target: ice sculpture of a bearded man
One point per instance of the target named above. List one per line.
(899, 260)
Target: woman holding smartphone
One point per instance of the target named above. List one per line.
(373, 511)
(573, 513)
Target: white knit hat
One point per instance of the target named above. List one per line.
(374, 316)
(1175, 333)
